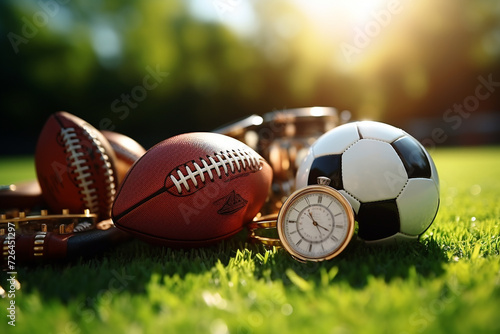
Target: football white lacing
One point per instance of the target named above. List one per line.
(230, 162)
(80, 166)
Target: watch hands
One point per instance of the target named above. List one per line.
(315, 223)
(324, 228)
(310, 215)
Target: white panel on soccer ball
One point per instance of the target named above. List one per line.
(336, 140)
(380, 131)
(373, 171)
(417, 205)
(304, 169)
(354, 202)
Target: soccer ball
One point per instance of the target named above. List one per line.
(386, 174)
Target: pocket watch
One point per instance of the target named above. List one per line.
(315, 223)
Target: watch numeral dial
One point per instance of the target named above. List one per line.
(316, 224)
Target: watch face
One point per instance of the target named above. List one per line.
(316, 223)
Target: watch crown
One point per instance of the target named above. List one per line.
(323, 180)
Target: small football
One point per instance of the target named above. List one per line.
(127, 152)
(24, 195)
(75, 166)
(192, 190)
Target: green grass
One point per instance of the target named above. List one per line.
(448, 282)
(16, 169)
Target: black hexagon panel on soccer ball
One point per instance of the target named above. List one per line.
(329, 166)
(378, 220)
(413, 157)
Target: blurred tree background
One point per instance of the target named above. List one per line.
(155, 68)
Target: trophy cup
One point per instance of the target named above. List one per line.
(283, 137)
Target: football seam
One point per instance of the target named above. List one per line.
(107, 166)
(377, 139)
(132, 156)
(382, 141)
(342, 165)
(116, 217)
(80, 168)
(403, 188)
(236, 159)
(352, 195)
(351, 145)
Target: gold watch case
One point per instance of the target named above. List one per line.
(327, 239)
